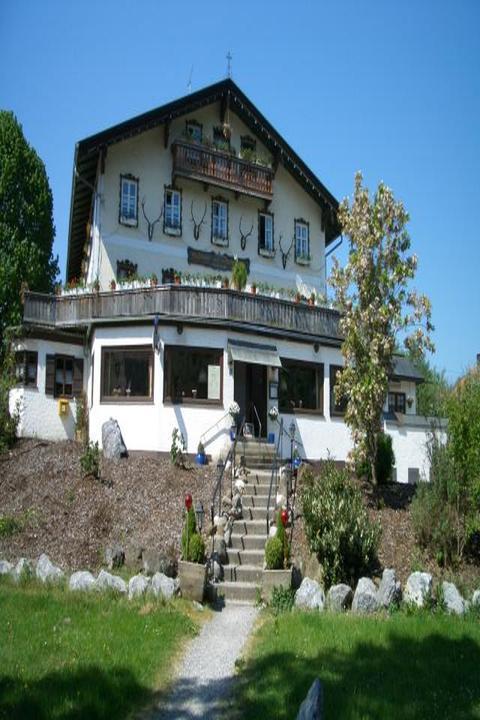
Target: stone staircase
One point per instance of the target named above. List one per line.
(243, 574)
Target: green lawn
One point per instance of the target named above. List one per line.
(404, 666)
(72, 655)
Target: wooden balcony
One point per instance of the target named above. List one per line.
(205, 306)
(221, 169)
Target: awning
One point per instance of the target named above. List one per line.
(248, 352)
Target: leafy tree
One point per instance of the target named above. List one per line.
(26, 223)
(372, 292)
(432, 394)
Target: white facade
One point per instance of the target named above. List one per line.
(145, 158)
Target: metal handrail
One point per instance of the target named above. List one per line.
(213, 426)
(274, 474)
(259, 421)
(217, 491)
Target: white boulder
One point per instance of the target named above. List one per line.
(453, 601)
(22, 570)
(81, 580)
(138, 586)
(46, 571)
(163, 586)
(418, 590)
(389, 590)
(107, 581)
(5, 567)
(365, 598)
(310, 595)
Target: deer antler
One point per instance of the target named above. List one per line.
(150, 224)
(197, 226)
(244, 236)
(285, 254)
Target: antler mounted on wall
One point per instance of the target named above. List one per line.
(285, 254)
(197, 226)
(244, 236)
(150, 224)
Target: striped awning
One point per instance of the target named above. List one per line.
(248, 352)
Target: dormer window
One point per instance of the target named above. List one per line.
(302, 242)
(194, 131)
(172, 212)
(265, 234)
(219, 222)
(128, 214)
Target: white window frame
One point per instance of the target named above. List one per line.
(220, 222)
(128, 200)
(172, 213)
(302, 241)
(266, 246)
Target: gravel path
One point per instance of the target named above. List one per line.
(202, 688)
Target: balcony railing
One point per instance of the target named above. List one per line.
(220, 168)
(182, 303)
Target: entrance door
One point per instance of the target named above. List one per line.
(250, 392)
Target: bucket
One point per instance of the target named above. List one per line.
(271, 438)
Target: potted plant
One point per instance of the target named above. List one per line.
(254, 288)
(177, 277)
(297, 297)
(239, 275)
(277, 571)
(113, 285)
(96, 285)
(153, 280)
(225, 283)
(201, 458)
(192, 570)
(311, 299)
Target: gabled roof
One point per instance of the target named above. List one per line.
(87, 154)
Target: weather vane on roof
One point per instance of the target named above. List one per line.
(229, 64)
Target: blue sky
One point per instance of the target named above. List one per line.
(391, 88)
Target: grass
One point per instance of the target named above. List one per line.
(398, 667)
(73, 655)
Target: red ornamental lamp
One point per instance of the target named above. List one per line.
(188, 501)
(284, 517)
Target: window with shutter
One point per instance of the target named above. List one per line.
(50, 375)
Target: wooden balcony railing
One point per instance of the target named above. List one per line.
(220, 168)
(183, 303)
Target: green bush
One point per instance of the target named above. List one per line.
(239, 274)
(337, 525)
(9, 525)
(384, 463)
(178, 448)
(8, 421)
(274, 554)
(189, 529)
(439, 509)
(385, 459)
(90, 460)
(196, 549)
(282, 599)
(282, 535)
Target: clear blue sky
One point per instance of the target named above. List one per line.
(388, 87)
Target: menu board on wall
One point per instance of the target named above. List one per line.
(214, 382)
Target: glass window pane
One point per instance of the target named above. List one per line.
(192, 374)
(127, 373)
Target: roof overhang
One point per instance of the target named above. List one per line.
(254, 353)
(88, 153)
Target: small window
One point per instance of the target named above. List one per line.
(219, 222)
(265, 233)
(302, 241)
(301, 386)
(63, 376)
(336, 408)
(128, 200)
(194, 131)
(127, 374)
(26, 367)
(220, 140)
(397, 402)
(192, 374)
(172, 212)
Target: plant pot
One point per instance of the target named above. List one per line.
(192, 578)
(177, 279)
(254, 290)
(225, 284)
(275, 578)
(201, 459)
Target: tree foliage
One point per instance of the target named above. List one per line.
(26, 223)
(433, 393)
(372, 291)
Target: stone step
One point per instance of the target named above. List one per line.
(248, 542)
(243, 573)
(257, 513)
(250, 527)
(238, 591)
(258, 489)
(245, 557)
(257, 501)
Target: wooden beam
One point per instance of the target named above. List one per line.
(166, 133)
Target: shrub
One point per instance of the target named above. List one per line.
(196, 549)
(8, 421)
(239, 275)
(282, 535)
(9, 525)
(274, 554)
(177, 448)
(440, 508)
(90, 460)
(384, 463)
(282, 599)
(337, 525)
